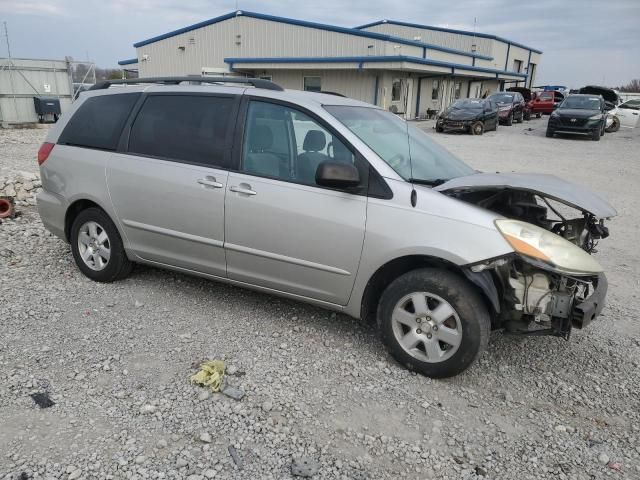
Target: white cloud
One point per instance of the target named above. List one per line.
(30, 7)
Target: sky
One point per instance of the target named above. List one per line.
(584, 41)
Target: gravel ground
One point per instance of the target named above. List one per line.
(116, 359)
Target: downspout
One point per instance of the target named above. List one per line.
(418, 97)
(526, 80)
(506, 60)
(375, 91)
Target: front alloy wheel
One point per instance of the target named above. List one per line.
(427, 327)
(433, 321)
(477, 128)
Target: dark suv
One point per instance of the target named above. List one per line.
(511, 106)
(580, 115)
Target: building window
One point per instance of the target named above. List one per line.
(458, 89)
(435, 90)
(517, 66)
(312, 84)
(396, 88)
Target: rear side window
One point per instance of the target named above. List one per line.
(99, 121)
(192, 129)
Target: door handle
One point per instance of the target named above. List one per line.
(245, 190)
(210, 182)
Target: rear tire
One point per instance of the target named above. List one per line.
(440, 335)
(439, 129)
(538, 115)
(527, 116)
(615, 126)
(477, 128)
(97, 247)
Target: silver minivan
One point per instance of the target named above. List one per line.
(322, 199)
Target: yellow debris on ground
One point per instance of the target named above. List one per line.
(210, 375)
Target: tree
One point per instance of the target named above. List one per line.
(632, 86)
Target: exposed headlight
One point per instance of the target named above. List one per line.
(559, 253)
(504, 108)
(596, 117)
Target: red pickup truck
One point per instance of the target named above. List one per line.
(545, 102)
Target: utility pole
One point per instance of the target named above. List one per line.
(6, 36)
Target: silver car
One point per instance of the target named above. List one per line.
(325, 200)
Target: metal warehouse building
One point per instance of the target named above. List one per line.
(407, 68)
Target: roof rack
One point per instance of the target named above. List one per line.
(254, 82)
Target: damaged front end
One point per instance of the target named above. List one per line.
(531, 299)
(551, 283)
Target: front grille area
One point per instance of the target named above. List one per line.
(579, 122)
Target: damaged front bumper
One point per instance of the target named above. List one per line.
(585, 312)
(527, 298)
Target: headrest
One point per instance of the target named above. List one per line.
(314, 141)
(261, 138)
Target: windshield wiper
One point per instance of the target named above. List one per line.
(431, 183)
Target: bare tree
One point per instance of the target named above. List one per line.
(632, 86)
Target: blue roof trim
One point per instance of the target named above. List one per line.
(371, 59)
(304, 23)
(449, 30)
(189, 28)
(128, 61)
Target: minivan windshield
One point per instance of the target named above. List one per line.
(581, 103)
(406, 149)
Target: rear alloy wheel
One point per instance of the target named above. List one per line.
(432, 321)
(614, 127)
(97, 247)
(477, 128)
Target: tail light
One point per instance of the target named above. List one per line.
(45, 150)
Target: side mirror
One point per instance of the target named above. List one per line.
(337, 175)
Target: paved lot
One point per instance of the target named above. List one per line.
(116, 360)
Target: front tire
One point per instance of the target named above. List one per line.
(549, 133)
(595, 136)
(432, 321)
(477, 128)
(97, 247)
(615, 125)
(509, 120)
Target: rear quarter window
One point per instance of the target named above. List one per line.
(99, 121)
(193, 129)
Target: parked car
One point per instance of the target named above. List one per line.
(528, 96)
(325, 200)
(511, 106)
(579, 114)
(546, 102)
(472, 115)
(625, 115)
